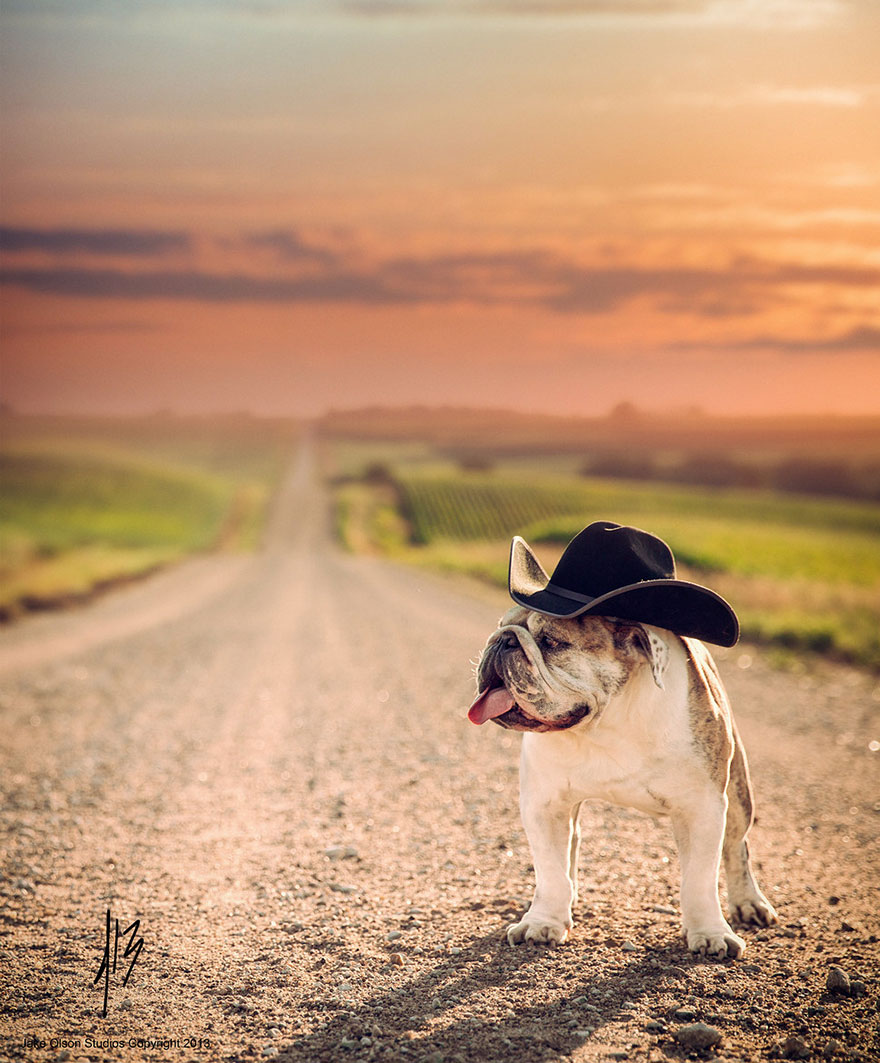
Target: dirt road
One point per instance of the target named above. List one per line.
(266, 762)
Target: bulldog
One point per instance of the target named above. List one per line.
(636, 715)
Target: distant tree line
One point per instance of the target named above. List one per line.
(812, 476)
(807, 476)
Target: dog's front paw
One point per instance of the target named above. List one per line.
(537, 931)
(755, 911)
(718, 943)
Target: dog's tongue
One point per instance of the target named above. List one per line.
(493, 702)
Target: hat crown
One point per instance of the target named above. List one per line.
(606, 556)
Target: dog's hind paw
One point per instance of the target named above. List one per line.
(716, 944)
(536, 932)
(755, 911)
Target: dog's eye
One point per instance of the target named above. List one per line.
(549, 643)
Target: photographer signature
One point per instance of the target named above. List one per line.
(108, 963)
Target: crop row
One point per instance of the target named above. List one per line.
(455, 508)
(750, 533)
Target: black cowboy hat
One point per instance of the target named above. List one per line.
(617, 571)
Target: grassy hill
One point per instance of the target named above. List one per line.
(85, 503)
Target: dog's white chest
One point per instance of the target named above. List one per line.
(628, 773)
(623, 781)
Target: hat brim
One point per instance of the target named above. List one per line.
(677, 605)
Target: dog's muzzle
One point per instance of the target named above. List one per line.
(496, 703)
(494, 699)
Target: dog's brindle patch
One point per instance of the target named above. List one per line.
(709, 711)
(598, 635)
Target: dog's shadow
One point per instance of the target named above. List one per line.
(428, 1017)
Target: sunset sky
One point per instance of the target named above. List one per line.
(554, 205)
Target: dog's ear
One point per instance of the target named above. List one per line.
(652, 647)
(517, 614)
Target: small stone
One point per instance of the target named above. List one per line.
(684, 1014)
(339, 887)
(858, 989)
(794, 1048)
(698, 1037)
(341, 852)
(629, 946)
(832, 1048)
(268, 1051)
(397, 959)
(393, 935)
(838, 981)
(273, 1031)
(664, 909)
(654, 1026)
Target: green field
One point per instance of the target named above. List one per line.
(86, 503)
(803, 573)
